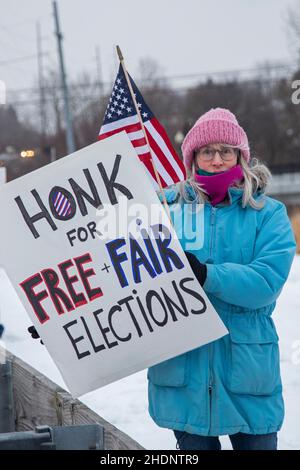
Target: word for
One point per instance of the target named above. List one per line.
(83, 233)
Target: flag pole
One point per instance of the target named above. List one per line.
(121, 59)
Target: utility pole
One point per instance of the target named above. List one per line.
(68, 117)
(41, 82)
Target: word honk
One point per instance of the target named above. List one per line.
(63, 204)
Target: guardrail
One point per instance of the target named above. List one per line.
(28, 399)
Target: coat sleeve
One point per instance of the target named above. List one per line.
(259, 283)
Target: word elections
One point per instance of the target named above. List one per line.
(63, 203)
(104, 328)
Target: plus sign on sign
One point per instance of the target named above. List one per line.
(99, 268)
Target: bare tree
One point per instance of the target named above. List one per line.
(163, 100)
(150, 73)
(292, 24)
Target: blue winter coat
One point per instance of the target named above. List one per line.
(233, 384)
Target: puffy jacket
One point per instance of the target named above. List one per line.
(233, 384)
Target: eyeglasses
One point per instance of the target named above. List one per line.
(207, 154)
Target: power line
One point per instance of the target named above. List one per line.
(93, 97)
(27, 101)
(22, 59)
(235, 73)
(16, 32)
(17, 25)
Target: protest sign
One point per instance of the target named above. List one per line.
(106, 285)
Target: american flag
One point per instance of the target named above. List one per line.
(121, 115)
(61, 204)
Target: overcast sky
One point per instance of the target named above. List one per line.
(184, 36)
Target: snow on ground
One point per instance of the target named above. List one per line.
(124, 403)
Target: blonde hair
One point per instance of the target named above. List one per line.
(256, 177)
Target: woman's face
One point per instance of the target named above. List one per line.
(216, 158)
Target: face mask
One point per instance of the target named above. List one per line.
(216, 185)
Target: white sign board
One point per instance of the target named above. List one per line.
(107, 286)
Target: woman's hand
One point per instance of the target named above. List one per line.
(34, 333)
(172, 195)
(199, 269)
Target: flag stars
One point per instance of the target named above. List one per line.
(123, 109)
(121, 103)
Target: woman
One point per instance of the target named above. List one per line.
(231, 386)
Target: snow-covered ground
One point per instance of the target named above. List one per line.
(124, 403)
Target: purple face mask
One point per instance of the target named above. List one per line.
(216, 186)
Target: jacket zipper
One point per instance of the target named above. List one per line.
(212, 223)
(210, 385)
(210, 346)
(210, 368)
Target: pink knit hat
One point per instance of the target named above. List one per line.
(218, 125)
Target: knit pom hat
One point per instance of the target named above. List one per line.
(218, 125)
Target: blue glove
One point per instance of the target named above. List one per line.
(1, 330)
(172, 195)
